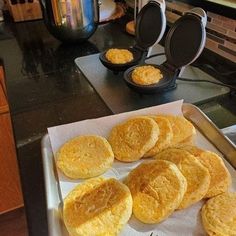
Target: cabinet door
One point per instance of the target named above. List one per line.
(3, 99)
(2, 82)
(10, 189)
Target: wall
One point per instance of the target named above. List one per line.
(221, 30)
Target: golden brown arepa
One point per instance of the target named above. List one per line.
(146, 75)
(220, 176)
(157, 189)
(133, 138)
(165, 136)
(85, 157)
(183, 130)
(197, 176)
(97, 207)
(186, 142)
(219, 215)
(194, 150)
(119, 56)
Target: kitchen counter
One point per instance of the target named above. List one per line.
(45, 89)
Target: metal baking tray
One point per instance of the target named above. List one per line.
(53, 194)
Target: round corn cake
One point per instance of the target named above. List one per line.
(219, 215)
(133, 138)
(186, 142)
(182, 129)
(85, 157)
(157, 189)
(194, 150)
(165, 136)
(197, 176)
(220, 176)
(119, 56)
(146, 75)
(97, 207)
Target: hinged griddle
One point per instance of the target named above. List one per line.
(183, 45)
(149, 29)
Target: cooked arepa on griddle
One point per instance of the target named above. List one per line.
(146, 75)
(119, 56)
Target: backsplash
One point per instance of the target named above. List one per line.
(221, 31)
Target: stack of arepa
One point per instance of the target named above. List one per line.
(178, 175)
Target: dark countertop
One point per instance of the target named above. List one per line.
(45, 89)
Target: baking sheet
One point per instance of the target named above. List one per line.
(182, 222)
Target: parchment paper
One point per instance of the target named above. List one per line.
(182, 222)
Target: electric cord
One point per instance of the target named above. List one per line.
(227, 73)
(207, 81)
(155, 55)
(207, 66)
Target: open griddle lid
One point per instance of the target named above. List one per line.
(186, 38)
(150, 24)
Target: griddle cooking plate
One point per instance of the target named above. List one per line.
(149, 26)
(149, 89)
(185, 40)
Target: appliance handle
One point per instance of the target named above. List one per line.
(162, 4)
(199, 12)
(141, 4)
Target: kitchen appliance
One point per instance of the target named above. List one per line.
(107, 9)
(71, 21)
(150, 27)
(183, 45)
(137, 6)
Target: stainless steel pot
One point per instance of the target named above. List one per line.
(71, 20)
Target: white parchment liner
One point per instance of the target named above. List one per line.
(182, 222)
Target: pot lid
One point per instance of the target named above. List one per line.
(185, 40)
(150, 24)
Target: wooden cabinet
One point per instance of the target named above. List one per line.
(10, 189)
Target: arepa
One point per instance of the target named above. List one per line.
(146, 75)
(165, 136)
(157, 189)
(219, 215)
(186, 142)
(97, 207)
(85, 156)
(183, 130)
(197, 176)
(119, 56)
(220, 176)
(133, 138)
